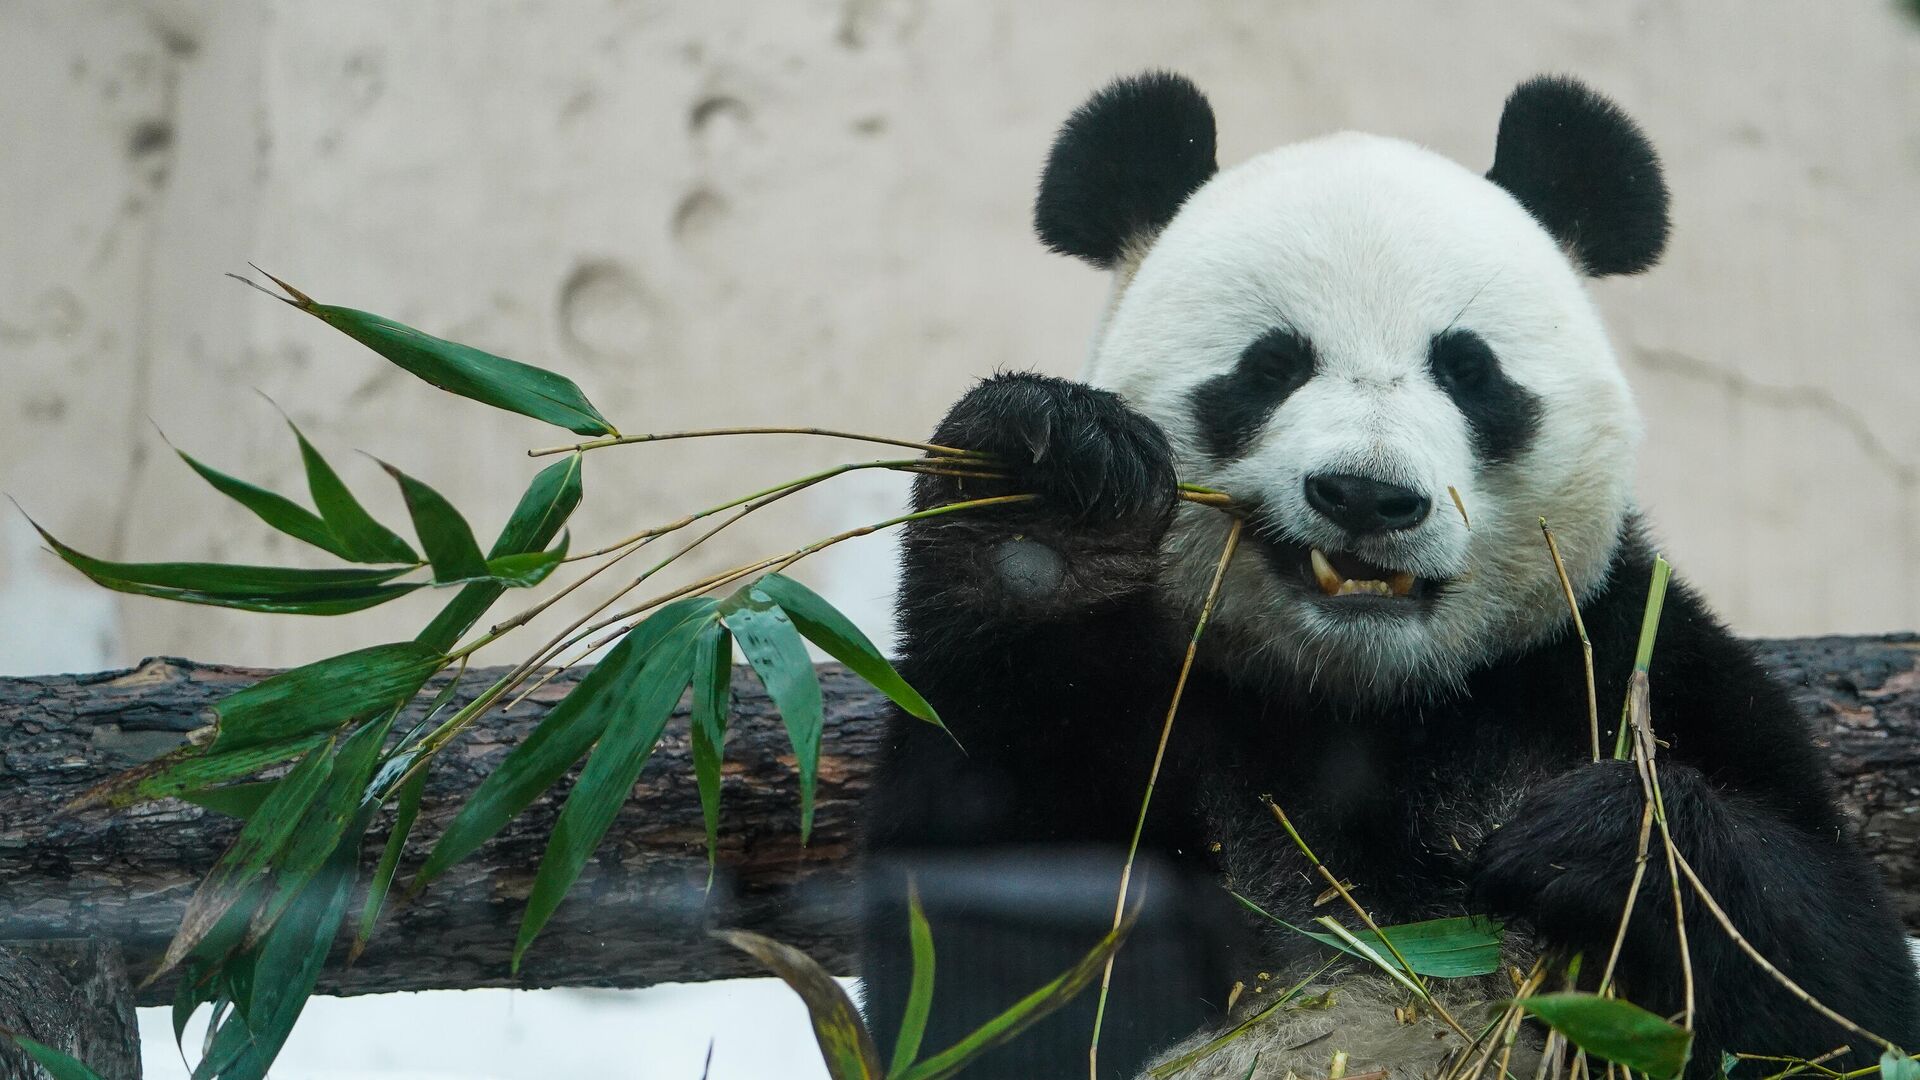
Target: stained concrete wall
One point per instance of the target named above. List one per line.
(816, 212)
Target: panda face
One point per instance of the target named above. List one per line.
(1344, 334)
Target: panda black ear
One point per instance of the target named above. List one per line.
(1586, 171)
(1122, 165)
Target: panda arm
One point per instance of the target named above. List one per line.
(1746, 800)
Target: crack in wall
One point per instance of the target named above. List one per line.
(1813, 399)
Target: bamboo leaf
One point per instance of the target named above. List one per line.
(1025, 1013)
(263, 836)
(324, 826)
(233, 800)
(363, 538)
(1450, 948)
(538, 518)
(403, 818)
(58, 1065)
(774, 647)
(187, 770)
(1896, 1065)
(712, 688)
(324, 694)
(845, 1045)
(275, 509)
(464, 370)
(609, 775)
(913, 1023)
(822, 624)
(443, 533)
(526, 569)
(249, 588)
(1617, 1030)
(559, 741)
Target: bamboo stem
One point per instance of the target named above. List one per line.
(1586, 644)
(665, 436)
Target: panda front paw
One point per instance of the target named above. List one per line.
(1563, 862)
(1082, 450)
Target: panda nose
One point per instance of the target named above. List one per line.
(1360, 505)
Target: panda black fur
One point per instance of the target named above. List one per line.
(1336, 333)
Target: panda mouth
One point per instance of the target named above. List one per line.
(1342, 579)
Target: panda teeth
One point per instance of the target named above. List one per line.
(1330, 582)
(1333, 584)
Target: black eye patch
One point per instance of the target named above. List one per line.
(1231, 409)
(1502, 415)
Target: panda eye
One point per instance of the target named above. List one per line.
(1280, 358)
(1461, 362)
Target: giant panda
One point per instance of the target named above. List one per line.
(1343, 334)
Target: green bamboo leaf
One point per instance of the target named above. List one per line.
(774, 647)
(249, 588)
(443, 533)
(526, 569)
(275, 509)
(845, 1045)
(1450, 948)
(712, 688)
(913, 1023)
(610, 773)
(58, 1065)
(836, 635)
(280, 973)
(462, 369)
(1617, 1030)
(1895, 1065)
(187, 770)
(403, 818)
(324, 827)
(363, 538)
(233, 800)
(263, 836)
(324, 694)
(1025, 1013)
(557, 742)
(538, 518)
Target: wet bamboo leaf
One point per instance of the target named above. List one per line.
(845, 1044)
(557, 743)
(263, 837)
(464, 370)
(913, 1023)
(538, 518)
(249, 588)
(323, 695)
(779, 656)
(324, 826)
(276, 510)
(443, 533)
(1025, 1013)
(362, 538)
(1617, 1030)
(820, 623)
(610, 773)
(712, 691)
(190, 769)
(403, 818)
(58, 1065)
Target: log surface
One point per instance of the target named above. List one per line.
(639, 914)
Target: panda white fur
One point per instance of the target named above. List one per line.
(1342, 334)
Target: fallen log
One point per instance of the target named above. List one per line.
(640, 912)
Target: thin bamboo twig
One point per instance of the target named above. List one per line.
(1639, 714)
(1726, 923)
(1153, 775)
(1586, 644)
(1633, 894)
(829, 433)
(1439, 1009)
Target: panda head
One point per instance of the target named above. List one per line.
(1343, 334)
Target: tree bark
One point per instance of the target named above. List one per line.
(639, 914)
(72, 995)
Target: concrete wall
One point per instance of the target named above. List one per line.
(816, 212)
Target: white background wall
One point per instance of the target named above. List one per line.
(815, 212)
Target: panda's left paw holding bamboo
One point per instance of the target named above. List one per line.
(1563, 862)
